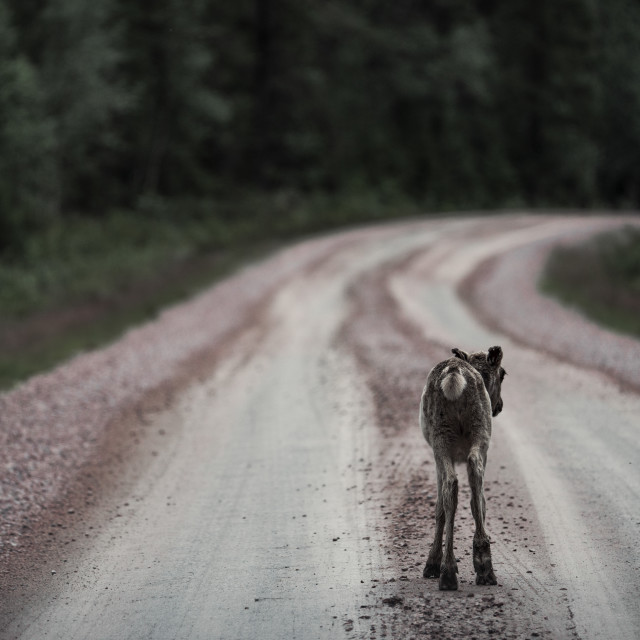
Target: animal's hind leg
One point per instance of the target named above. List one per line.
(449, 569)
(432, 568)
(481, 545)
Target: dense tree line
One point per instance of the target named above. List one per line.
(454, 103)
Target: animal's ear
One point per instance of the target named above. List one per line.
(494, 358)
(460, 354)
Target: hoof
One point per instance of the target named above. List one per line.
(431, 571)
(482, 563)
(448, 579)
(487, 577)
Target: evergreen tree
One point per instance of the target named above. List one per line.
(548, 97)
(78, 60)
(28, 195)
(619, 125)
(570, 103)
(453, 103)
(176, 113)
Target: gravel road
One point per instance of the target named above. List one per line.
(250, 464)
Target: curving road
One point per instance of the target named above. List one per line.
(264, 474)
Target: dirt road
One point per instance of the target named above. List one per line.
(251, 466)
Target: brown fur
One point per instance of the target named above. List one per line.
(458, 401)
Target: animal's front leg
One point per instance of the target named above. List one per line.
(481, 545)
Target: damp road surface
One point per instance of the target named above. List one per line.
(263, 473)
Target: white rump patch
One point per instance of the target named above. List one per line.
(452, 385)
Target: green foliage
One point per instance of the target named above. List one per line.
(619, 255)
(169, 63)
(619, 126)
(27, 169)
(79, 53)
(456, 104)
(88, 258)
(548, 96)
(600, 277)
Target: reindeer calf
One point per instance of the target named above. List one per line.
(458, 401)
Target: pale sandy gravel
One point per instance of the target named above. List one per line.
(55, 424)
(342, 290)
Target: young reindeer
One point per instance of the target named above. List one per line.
(458, 401)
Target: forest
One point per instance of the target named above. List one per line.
(200, 122)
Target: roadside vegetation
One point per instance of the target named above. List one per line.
(601, 278)
(79, 258)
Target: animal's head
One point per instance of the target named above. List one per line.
(487, 363)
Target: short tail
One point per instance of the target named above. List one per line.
(453, 384)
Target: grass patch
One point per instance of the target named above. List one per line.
(42, 340)
(600, 277)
